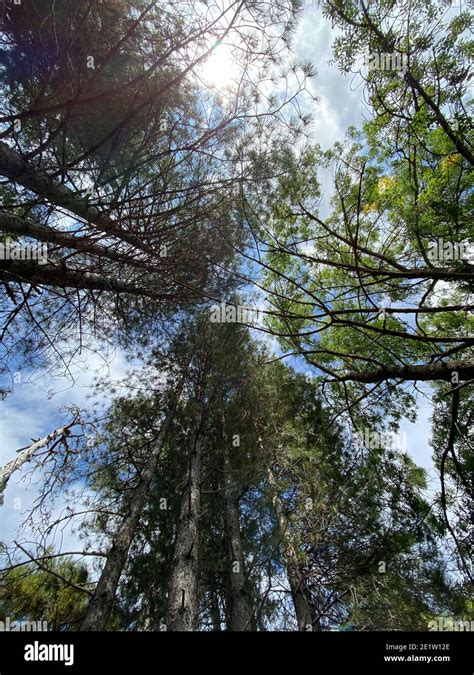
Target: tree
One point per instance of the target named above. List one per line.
(351, 521)
(101, 605)
(121, 161)
(221, 489)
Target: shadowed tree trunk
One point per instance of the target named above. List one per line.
(215, 611)
(303, 608)
(240, 612)
(183, 593)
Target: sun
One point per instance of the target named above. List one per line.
(220, 70)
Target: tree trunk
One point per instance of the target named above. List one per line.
(183, 593)
(303, 608)
(423, 372)
(240, 612)
(215, 611)
(102, 602)
(28, 271)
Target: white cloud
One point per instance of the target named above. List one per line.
(340, 101)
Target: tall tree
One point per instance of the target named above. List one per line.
(240, 609)
(120, 157)
(183, 593)
(102, 601)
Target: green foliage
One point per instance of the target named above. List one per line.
(51, 593)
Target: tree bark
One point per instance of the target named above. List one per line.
(59, 276)
(304, 610)
(102, 602)
(425, 372)
(183, 592)
(240, 612)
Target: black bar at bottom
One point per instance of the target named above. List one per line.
(436, 652)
